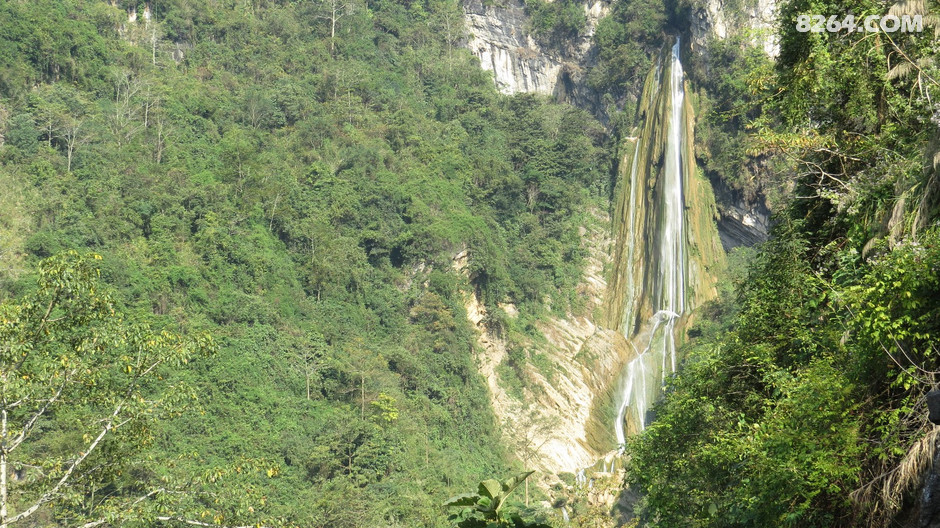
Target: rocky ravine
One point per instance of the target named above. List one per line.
(586, 355)
(585, 358)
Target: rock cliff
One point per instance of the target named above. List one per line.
(579, 365)
(723, 18)
(498, 34)
(742, 220)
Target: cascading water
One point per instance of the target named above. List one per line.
(655, 234)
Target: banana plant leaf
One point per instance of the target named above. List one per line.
(464, 499)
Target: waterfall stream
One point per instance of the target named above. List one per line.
(656, 247)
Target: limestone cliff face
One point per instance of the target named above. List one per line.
(723, 18)
(744, 220)
(579, 366)
(498, 35)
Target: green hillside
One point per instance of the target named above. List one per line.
(299, 195)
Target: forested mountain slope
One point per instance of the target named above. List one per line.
(294, 178)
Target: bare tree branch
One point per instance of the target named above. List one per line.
(51, 494)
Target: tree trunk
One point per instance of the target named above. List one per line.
(160, 140)
(333, 29)
(271, 223)
(3, 470)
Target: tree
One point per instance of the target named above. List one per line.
(448, 20)
(334, 10)
(125, 109)
(73, 136)
(49, 110)
(63, 111)
(310, 353)
(21, 132)
(14, 225)
(78, 386)
(527, 433)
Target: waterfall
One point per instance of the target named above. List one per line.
(655, 247)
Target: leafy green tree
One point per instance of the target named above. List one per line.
(626, 40)
(14, 226)
(555, 20)
(63, 113)
(21, 132)
(70, 360)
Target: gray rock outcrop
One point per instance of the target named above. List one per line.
(718, 19)
(499, 36)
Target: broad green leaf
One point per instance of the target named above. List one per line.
(511, 483)
(464, 499)
(490, 488)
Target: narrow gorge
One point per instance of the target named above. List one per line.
(467, 263)
(653, 260)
